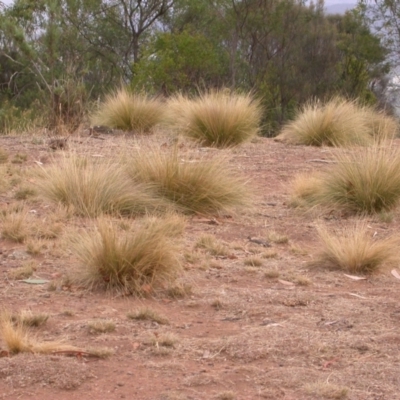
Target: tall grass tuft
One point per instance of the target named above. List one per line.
(205, 186)
(92, 188)
(217, 118)
(353, 249)
(366, 180)
(129, 111)
(129, 261)
(363, 181)
(338, 122)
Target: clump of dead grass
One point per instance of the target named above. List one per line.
(14, 226)
(212, 245)
(338, 122)
(94, 188)
(365, 180)
(354, 249)
(204, 186)
(147, 314)
(326, 390)
(30, 319)
(217, 118)
(128, 261)
(18, 339)
(23, 272)
(101, 326)
(130, 111)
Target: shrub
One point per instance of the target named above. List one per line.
(338, 122)
(129, 112)
(128, 261)
(94, 188)
(354, 250)
(203, 186)
(217, 118)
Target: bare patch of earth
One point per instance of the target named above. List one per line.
(281, 330)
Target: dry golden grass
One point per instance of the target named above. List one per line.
(362, 181)
(23, 272)
(129, 112)
(217, 118)
(212, 245)
(354, 249)
(3, 156)
(366, 180)
(338, 122)
(101, 326)
(14, 226)
(29, 319)
(304, 190)
(148, 314)
(253, 262)
(326, 390)
(204, 186)
(92, 188)
(128, 261)
(18, 339)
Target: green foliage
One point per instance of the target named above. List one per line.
(180, 61)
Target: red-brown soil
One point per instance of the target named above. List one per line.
(282, 330)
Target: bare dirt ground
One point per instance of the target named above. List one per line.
(280, 330)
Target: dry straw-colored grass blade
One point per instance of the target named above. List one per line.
(354, 249)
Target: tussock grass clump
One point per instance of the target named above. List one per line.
(94, 188)
(129, 112)
(18, 339)
(206, 186)
(29, 319)
(101, 326)
(14, 226)
(127, 261)
(365, 180)
(338, 122)
(148, 314)
(217, 118)
(353, 249)
(212, 245)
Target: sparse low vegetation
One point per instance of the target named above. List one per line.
(217, 118)
(212, 245)
(101, 326)
(131, 261)
(135, 112)
(147, 314)
(18, 339)
(354, 249)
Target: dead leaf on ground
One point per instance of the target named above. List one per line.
(287, 283)
(355, 278)
(395, 274)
